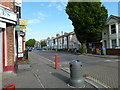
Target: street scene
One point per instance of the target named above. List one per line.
(64, 44)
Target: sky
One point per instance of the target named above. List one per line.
(46, 19)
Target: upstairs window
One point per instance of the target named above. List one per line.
(113, 29)
(119, 28)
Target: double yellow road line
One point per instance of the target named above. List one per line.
(100, 83)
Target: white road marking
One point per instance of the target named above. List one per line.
(50, 72)
(116, 60)
(107, 61)
(38, 78)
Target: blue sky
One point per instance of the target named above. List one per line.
(46, 19)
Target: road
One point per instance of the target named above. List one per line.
(103, 70)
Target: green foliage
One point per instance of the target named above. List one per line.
(82, 49)
(59, 49)
(88, 19)
(30, 43)
(43, 43)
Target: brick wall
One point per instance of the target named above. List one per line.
(8, 4)
(113, 51)
(10, 45)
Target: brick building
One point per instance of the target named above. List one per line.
(8, 21)
(10, 12)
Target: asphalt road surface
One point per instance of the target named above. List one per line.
(104, 70)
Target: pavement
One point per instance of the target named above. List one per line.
(42, 74)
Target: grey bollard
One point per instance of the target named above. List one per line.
(76, 75)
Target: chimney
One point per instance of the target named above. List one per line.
(57, 35)
(48, 38)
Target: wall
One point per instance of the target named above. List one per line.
(105, 36)
(10, 47)
(113, 51)
(8, 4)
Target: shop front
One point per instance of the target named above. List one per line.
(8, 21)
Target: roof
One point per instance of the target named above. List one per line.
(113, 17)
(67, 34)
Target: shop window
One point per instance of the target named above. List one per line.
(113, 43)
(113, 29)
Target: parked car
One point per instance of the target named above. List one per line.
(30, 49)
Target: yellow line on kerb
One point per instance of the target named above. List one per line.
(97, 81)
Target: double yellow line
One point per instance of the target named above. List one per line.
(97, 81)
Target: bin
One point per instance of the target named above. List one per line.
(76, 74)
(26, 54)
(103, 51)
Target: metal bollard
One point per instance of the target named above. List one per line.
(56, 62)
(76, 75)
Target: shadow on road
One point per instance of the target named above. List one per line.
(61, 77)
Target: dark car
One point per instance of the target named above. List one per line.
(30, 49)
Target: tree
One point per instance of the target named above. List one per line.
(30, 43)
(88, 19)
(43, 43)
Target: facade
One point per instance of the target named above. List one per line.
(111, 33)
(37, 45)
(67, 41)
(11, 41)
(8, 21)
(21, 37)
(73, 42)
(60, 42)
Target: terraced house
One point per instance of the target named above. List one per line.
(67, 41)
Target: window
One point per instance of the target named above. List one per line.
(113, 43)
(119, 42)
(54, 41)
(119, 28)
(105, 44)
(104, 33)
(113, 29)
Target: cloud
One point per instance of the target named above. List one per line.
(33, 21)
(31, 33)
(59, 8)
(50, 5)
(64, 3)
(41, 16)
